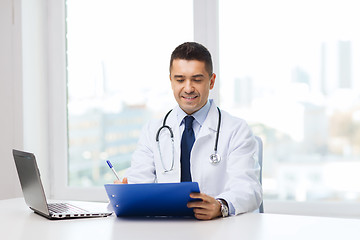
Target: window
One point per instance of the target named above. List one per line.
(118, 55)
(290, 69)
(287, 67)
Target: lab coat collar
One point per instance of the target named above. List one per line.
(211, 122)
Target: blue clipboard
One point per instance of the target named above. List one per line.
(151, 199)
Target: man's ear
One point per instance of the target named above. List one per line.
(212, 81)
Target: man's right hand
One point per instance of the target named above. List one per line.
(124, 181)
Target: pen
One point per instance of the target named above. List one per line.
(112, 168)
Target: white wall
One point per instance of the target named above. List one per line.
(35, 83)
(23, 89)
(10, 96)
(206, 31)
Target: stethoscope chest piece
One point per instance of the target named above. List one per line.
(215, 158)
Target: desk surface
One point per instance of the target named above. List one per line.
(17, 221)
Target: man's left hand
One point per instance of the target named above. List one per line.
(206, 209)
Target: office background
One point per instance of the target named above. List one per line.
(11, 127)
(31, 80)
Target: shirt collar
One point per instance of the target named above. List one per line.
(199, 115)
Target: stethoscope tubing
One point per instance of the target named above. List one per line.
(214, 157)
(217, 131)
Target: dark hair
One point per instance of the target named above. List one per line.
(193, 51)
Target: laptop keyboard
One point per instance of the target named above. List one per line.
(64, 208)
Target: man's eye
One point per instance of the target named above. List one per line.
(197, 80)
(179, 80)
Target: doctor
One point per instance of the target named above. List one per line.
(229, 185)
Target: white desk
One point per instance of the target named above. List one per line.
(17, 221)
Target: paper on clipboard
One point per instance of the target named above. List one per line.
(151, 199)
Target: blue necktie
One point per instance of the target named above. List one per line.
(187, 142)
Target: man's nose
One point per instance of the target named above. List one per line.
(189, 88)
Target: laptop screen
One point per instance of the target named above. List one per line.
(30, 181)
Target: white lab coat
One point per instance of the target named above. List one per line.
(235, 178)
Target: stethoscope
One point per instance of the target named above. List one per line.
(214, 157)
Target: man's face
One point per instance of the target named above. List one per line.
(190, 84)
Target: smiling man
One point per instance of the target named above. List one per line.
(190, 84)
(230, 185)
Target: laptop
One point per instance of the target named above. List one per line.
(34, 195)
(152, 199)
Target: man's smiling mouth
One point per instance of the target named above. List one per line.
(189, 98)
